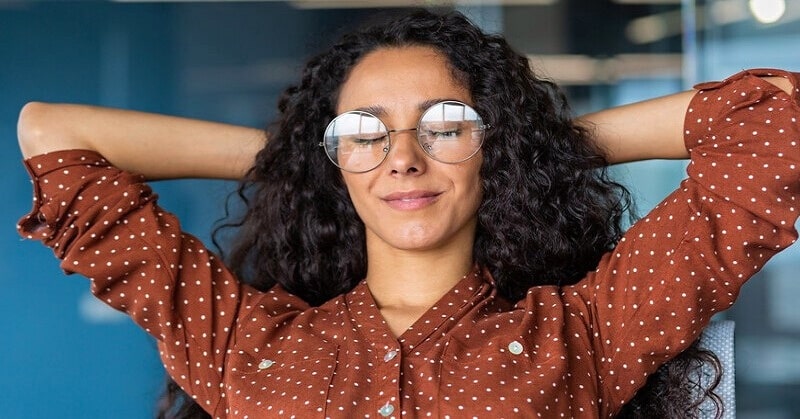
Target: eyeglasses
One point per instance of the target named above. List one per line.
(448, 132)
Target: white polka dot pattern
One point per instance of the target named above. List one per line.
(578, 351)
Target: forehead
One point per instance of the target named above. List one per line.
(400, 78)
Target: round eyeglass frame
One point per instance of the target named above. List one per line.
(482, 127)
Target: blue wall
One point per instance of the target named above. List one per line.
(60, 360)
(65, 355)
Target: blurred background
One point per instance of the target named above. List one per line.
(65, 355)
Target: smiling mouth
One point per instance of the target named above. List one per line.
(411, 200)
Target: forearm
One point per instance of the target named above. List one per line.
(157, 146)
(652, 129)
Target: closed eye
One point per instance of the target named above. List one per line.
(449, 134)
(367, 140)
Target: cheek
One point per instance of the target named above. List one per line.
(475, 197)
(357, 188)
(469, 197)
(475, 188)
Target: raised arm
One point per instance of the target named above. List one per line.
(652, 129)
(687, 259)
(156, 146)
(105, 224)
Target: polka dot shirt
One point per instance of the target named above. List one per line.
(576, 351)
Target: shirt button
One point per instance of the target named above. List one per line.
(390, 355)
(265, 363)
(515, 347)
(386, 410)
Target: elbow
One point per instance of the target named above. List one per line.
(32, 130)
(44, 127)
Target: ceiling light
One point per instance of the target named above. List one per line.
(767, 11)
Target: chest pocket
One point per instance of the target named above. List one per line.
(499, 378)
(291, 380)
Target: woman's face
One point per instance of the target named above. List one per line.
(410, 201)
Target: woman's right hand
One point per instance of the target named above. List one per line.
(156, 146)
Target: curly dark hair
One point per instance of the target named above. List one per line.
(549, 208)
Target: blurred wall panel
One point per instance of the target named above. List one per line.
(66, 355)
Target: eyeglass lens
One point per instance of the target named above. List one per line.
(450, 132)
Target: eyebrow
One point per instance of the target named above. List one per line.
(380, 111)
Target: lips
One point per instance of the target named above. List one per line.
(411, 200)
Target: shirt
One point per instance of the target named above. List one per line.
(572, 351)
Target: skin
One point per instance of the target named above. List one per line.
(420, 214)
(651, 129)
(156, 146)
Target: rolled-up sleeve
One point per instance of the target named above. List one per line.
(105, 224)
(686, 260)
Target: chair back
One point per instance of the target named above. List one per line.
(718, 338)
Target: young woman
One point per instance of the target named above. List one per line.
(428, 233)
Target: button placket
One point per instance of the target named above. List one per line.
(388, 392)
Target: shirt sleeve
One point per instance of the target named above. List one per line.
(686, 260)
(105, 224)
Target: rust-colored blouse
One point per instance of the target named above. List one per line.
(575, 351)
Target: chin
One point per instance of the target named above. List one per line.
(414, 244)
(415, 238)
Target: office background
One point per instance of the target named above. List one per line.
(66, 355)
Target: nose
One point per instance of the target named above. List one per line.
(405, 154)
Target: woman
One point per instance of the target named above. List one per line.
(455, 259)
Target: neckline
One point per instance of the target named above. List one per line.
(440, 317)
